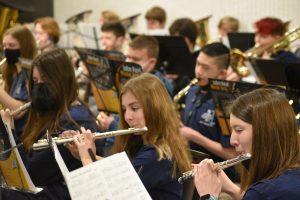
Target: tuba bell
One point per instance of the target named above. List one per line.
(203, 31)
(238, 58)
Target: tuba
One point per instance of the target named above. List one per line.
(8, 18)
(203, 31)
(238, 58)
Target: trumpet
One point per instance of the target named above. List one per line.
(44, 143)
(221, 165)
(20, 109)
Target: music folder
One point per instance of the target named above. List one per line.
(242, 41)
(12, 168)
(107, 78)
(224, 92)
(174, 55)
(103, 179)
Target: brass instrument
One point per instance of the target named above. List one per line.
(182, 93)
(43, 143)
(238, 57)
(203, 31)
(8, 18)
(20, 109)
(221, 165)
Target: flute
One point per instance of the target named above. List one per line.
(221, 165)
(43, 143)
(20, 109)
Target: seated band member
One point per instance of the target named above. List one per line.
(113, 36)
(53, 92)
(156, 18)
(46, 32)
(264, 125)
(18, 42)
(268, 30)
(160, 152)
(201, 127)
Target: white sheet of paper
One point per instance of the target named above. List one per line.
(63, 168)
(112, 178)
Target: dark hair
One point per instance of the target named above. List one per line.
(219, 51)
(116, 27)
(156, 13)
(148, 42)
(186, 28)
(57, 71)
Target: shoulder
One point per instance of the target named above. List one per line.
(147, 155)
(286, 183)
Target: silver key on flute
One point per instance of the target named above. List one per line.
(221, 165)
(44, 143)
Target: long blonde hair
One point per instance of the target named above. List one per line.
(160, 118)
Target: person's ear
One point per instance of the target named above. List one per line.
(222, 74)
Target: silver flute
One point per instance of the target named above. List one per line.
(44, 143)
(221, 165)
(20, 109)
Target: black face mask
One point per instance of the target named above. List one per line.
(42, 99)
(12, 55)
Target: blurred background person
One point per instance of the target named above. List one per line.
(186, 28)
(156, 18)
(227, 24)
(108, 16)
(47, 33)
(18, 44)
(268, 31)
(113, 36)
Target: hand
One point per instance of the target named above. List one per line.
(6, 118)
(231, 75)
(71, 146)
(84, 142)
(104, 120)
(207, 180)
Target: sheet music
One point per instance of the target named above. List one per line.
(112, 178)
(19, 163)
(63, 168)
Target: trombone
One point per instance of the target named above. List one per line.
(44, 143)
(238, 57)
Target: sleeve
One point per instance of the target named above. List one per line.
(151, 171)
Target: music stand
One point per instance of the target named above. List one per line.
(12, 168)
(224, 92)
(107, 77)
(286, 74)
(174, 55)
(242, 41)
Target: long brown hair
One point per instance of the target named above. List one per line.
(275, 143)
(160, 118)
(27, 47)
(56, 70)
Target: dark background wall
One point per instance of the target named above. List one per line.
(29, 10)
